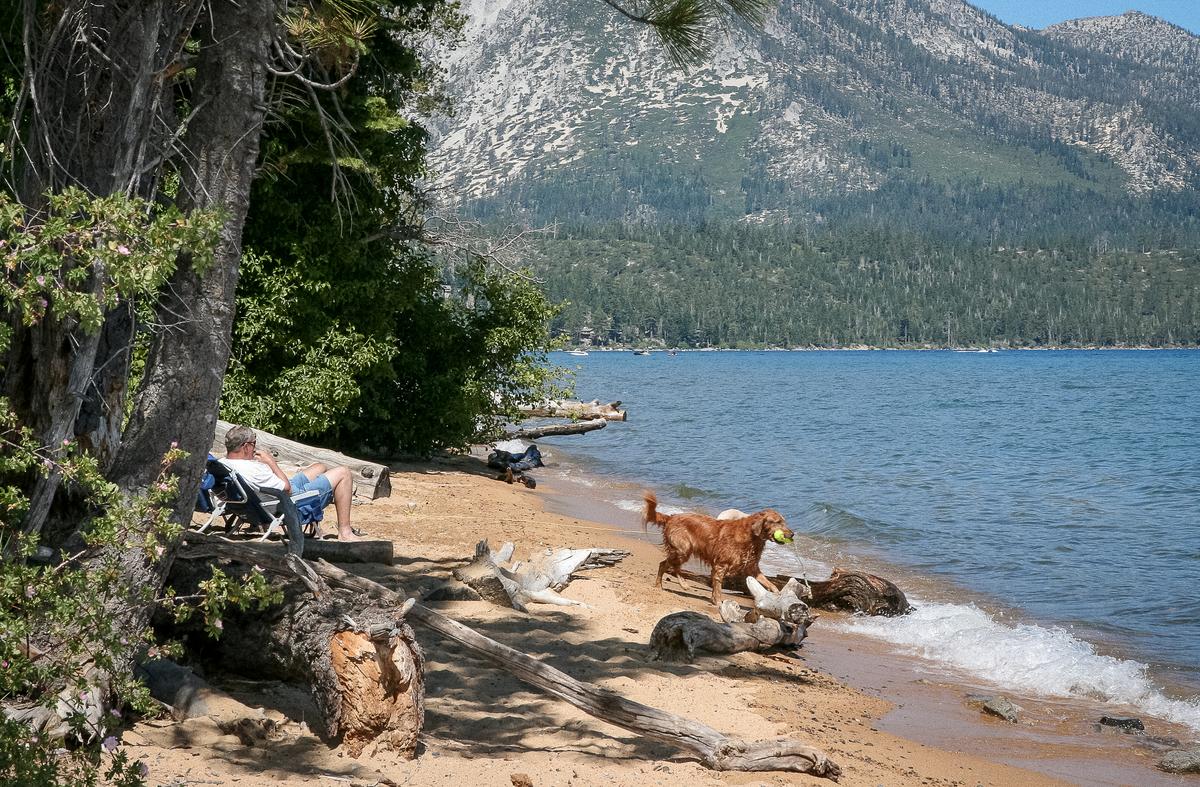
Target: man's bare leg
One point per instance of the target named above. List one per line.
(343, 492)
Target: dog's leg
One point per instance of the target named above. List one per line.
(662, 569)
(718, 578)
(768, 584)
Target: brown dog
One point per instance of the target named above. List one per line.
(731, 548)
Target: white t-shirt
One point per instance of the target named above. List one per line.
(256, 472)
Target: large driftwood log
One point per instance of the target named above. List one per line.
(851, 591)
(857, 591)
(371, 480)
(715, 750)
(571, 408)
(362, 663)
(678, 636)
(538, 432)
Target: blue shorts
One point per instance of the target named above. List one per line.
(315, 507)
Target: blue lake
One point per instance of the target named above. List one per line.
(1063, 486)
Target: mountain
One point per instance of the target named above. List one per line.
(880, 172)
(567, 112)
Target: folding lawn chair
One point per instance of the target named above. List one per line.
(225, 495)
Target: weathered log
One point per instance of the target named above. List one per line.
(856, 591)
(852, 591)
(520, 585)
(570, 408)
(375, 551)
(678, 636)
(363, 665)
(603, 558)
(785, 605)
(538, 432)
(715, 750)
(371, 480)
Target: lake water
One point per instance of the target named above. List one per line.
(1045, 505)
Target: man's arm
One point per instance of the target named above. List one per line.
(268, 460)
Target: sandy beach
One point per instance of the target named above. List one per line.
(885, 719)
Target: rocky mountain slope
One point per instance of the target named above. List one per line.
(567, 111)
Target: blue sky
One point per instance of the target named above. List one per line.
(1039, 13)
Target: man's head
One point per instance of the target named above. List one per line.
(240, 440)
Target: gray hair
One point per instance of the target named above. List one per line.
(238, 436)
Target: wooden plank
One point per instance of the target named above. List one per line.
(371, 480)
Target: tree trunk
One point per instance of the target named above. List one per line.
(538, 432)
(568, 408)
(101, 112)
(852, 591)
(177, 402)
(363, 664)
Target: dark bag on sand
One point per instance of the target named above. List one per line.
(528, 459)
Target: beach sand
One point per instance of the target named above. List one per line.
(885, 719)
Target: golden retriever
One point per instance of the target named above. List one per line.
(730, 547)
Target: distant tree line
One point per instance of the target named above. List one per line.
(735, 285)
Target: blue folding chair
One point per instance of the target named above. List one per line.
(226, 496)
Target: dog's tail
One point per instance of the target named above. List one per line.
(652, 517)
(651, 514)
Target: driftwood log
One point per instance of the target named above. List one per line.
(571, 408)
(539, 580)
(362, 663)
(857, 591)
(785, 606)
(538, 432)
(850, 591)
(678, 636)
(371, 480)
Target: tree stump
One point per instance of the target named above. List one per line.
(362, 663)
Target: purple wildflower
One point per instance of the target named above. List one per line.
(41, 280)
(143, 769)
(109, 744)
(123, 250)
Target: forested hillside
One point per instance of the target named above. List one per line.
(758, 287)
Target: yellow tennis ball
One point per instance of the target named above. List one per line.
(780, 537)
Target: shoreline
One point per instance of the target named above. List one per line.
(928, 701)
(885, 719)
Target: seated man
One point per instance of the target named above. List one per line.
(260, 468)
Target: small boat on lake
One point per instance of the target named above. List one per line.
(577, 353)
(641, 352)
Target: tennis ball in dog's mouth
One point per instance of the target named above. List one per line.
(780, 537)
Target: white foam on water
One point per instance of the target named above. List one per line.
(638, 506)
(1033, 659)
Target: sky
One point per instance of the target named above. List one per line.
(1039, 13)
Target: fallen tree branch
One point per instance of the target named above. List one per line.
(568, 408)
(537, 432)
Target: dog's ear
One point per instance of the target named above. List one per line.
(759, 526)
